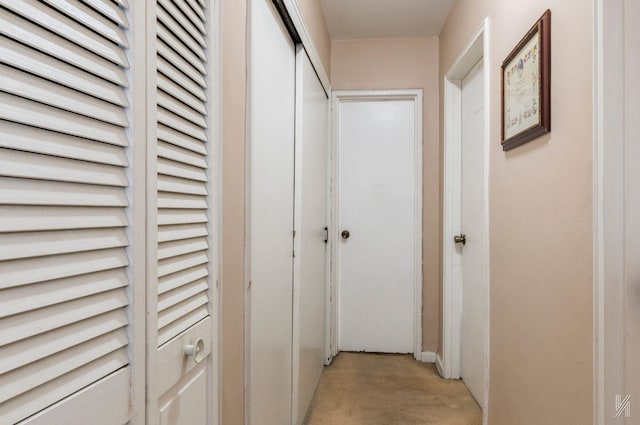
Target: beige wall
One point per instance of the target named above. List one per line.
(540, 221)
(405, 63)
(314, 19)
(234, 71)
(233, 209)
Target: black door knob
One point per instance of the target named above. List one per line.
(345, 234)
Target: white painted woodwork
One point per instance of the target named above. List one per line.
(474, 256)
(617, 207)
(311, 177)
(270, 210)
(632, 205)
(378, 203)
(180, 296)
(64, 227)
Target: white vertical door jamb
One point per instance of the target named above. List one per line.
(448, 361)
(137, 211)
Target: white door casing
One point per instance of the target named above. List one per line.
(270, 218)
(449, 360)
(616, 211)
(310, 245)
(377, 191)
(473, 252)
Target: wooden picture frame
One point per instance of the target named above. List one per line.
(526, 87)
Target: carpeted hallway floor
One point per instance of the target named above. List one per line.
(389, 389)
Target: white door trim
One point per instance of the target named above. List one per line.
(477, 49)
(355, 95)
(608, 205)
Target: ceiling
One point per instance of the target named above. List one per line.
(384, 18)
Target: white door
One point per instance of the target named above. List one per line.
(473, 218)
(271, 174)
(377, 224)
(312, 143)
(65, 333)
(182, 271)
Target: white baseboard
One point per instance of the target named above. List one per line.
(428, 357)
(439, 365)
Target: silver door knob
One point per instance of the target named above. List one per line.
(460, 239)
(196, 350)
(345, 234)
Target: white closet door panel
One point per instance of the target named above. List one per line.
(17, 191)
(179, 108)
(197, 20)
(181, 247)
(27, 112)
(63, 219)
(179, 63)
(26, 59)
(181, 232)
(34, 218)
(30, 139)
(67, 28)
(23, 352)
(181, 49)
(110, 10)
(112, 406)
(179, 78)
(189, 319)
(25, 272)
(22, 299)
(180, 156)
(175, 90)
(38, 38)
(178, 279)
(177, 200)
(174, 137)
(172, 353)
(178, 185)
(184, 22)
(173, 298)
(25, 85)
(20, 245)
(180, 124)
(181, 263)
(45, 395)
(168, 217)
(26, 325)
(91, 19)
(42, 167)
(53, 366)
(185, 37)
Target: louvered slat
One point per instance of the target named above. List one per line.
(31, 139)
(109, 10)
(91, 19)
(63, 200)
(26, 59)
(35, 218)
(40, 39)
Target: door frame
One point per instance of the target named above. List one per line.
(338, 97)
(448, 361)
(608, 206)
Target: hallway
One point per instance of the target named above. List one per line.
(388, 389)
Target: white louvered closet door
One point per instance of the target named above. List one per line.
(63, 221)
(181, 184)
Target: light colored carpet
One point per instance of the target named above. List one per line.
(389, 389)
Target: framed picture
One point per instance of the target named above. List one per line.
(526, 87)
